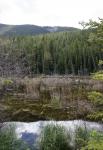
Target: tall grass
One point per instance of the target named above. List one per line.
(82, 136)
(9, 140)
(55, 137)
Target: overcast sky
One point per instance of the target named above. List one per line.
(50, 12)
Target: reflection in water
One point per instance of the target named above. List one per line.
(29, 132)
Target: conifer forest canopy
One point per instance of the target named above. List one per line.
(51, 53)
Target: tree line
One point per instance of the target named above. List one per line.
(54, 53)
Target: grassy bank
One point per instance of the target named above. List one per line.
(51, 97)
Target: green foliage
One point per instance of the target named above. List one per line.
(95, 97)
(100, 62)
(81, 137)
(55, 53)
(96, 116)
(95, 141)
(54, 137)
(88, 140)
(9, 141)
(98, 75)
(96, 38)
(97, 31)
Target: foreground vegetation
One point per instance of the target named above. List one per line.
(9, 140)
(54, 137)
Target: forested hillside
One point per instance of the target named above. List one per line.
(55, 53)
(18, 30)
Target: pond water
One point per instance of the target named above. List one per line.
(29, 132)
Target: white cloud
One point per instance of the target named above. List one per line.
(49, 12)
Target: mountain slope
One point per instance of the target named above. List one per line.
(10, 30)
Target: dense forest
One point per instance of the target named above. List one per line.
(52, 53)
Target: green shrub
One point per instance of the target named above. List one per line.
(96, 116)
(54, 137)
(95, 97)
(95, 141)
(98, 75)
(88, 140)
